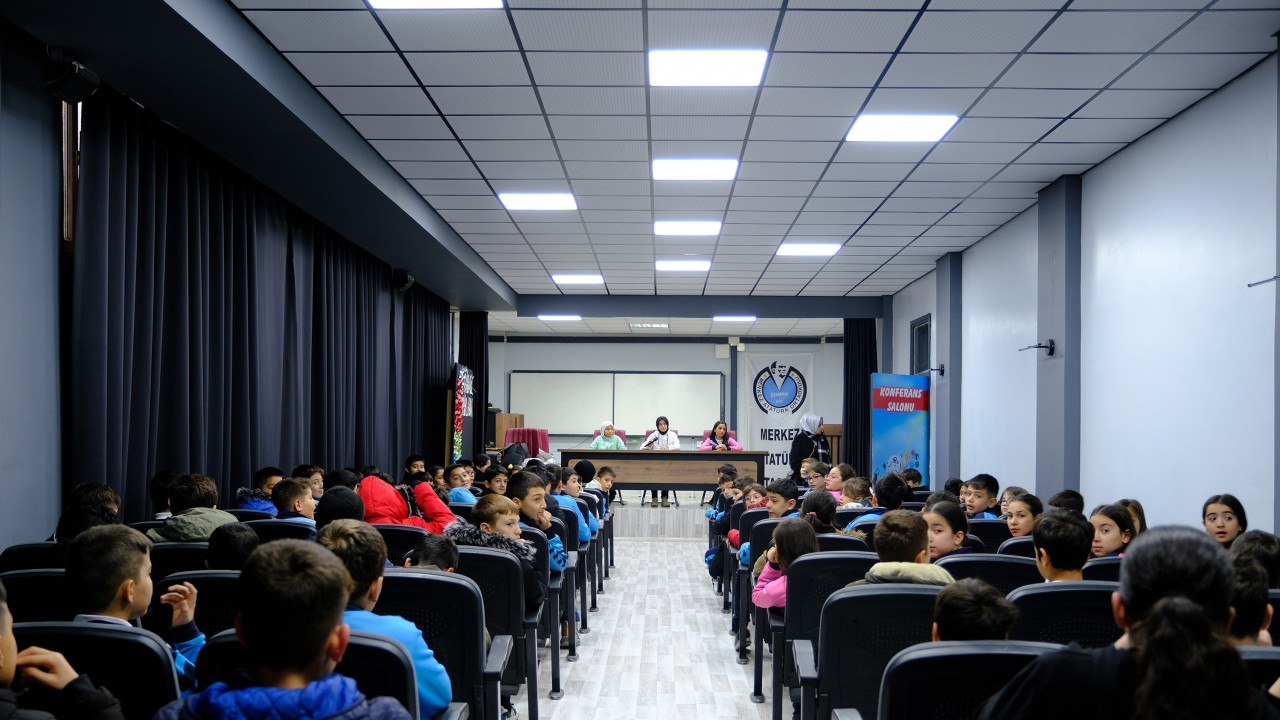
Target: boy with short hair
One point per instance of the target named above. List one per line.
(887, 494)
(1068, 500)
(337, 503)
(291, 623)
(1263, 547)
(414, 464)
(194, 501)
(62, 694)
(1249, 599)
(984, 497)
(294, 503)
(495, 481)
(230, 545)
(158, 492)
(971, 609)
(529, 491)
(364, 553)
(110, 568)
(258, 495)
(433, 552)
(912, 478)
(902, 542)
(314, 477)
(783, 498)
(1063, 543)
(560, 495)
(817, 479)
(604, 479)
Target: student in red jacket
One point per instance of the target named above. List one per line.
(385, 503)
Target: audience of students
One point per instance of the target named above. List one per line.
(495, 523)
(529, 491)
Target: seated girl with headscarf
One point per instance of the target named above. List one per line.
(607, 439)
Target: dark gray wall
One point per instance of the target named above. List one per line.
(946, 392)
(30, 230)
(1058, 319)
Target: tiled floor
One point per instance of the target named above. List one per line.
(659, 647)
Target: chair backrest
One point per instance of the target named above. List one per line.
(974, 543)
(32, 556)
(168, 558)
(1066, 612)
(274, 529)
(40, 595)
(837, 541)
(542, 551)
(571, 540)
(960, 676)
(450, 611)
(400, 540)
(381, 666)
(498, 575)
(620, 433)
(1018, 546)
(588, 505)
(812, 579)
(1006, 572)
(1273, 599)
(861, 629)
(133, 664)
(245, 514)
(917, 506)
(747, 520)
(462, 510)
(143, 526)
(992, 532)
(844, 516)
(707, 433)
(760, 537)
(1263, 664)
(217, 600)
(735, 513)
(1103, 568)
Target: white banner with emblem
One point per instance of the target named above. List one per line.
(773, 393)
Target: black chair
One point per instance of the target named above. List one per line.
(916, 506)
(745, 523)
(217, 601)
(269, 530)
(975, 544)
(844, 516)
(245, 514)
(550, 609)
(1273, 599)
(573, 545)
(992, 532)
(606, 528)
(959, 676)
(143, 526)
(1106, 569)
(811, 579)
(860, 630)
(168, 558)
(32, 556)
(594, 571)
(449, 610)
(725, 584)
(1018, 547)
(462, 510)
(1263, 664)
(400, 539)
(828, 542)
(40, 595)
(380, 666)
(759, 537)
(1006, 572)
(1066, 612)
(133, 664)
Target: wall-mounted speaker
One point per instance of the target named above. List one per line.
(401, 280)
(67, 79)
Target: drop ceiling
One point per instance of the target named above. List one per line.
(552, 96)
(508, 323)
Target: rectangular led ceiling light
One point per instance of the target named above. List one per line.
(809, 249)
(695, 168)
(683, 265)
(643, 326)
(900, 128)
(734, 318)
(686, 227)
(434, 4)
(538, 201)
(578, 279)
(559, 318)
(706, 68)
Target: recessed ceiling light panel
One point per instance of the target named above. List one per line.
(900, 128)
(568, 279)
(538, 201)
(434, 4)
(682, 265)
(646, 326)
(695, 168)
(734, 318)
(559, 318)
(809, 249)
(706, 68)
(686, 227)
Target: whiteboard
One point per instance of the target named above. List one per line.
(693, 402)
(566, 403)
(575, 403)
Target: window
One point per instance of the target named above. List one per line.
(920, 345)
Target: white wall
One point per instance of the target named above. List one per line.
(1177, 355)
(998, 410)
(675, 357)
(909, 304)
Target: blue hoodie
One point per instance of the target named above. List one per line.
(332, 697)
(434, 690)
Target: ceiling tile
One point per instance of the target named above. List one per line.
(711, 29)
(1140, 103)
(1187, 71)
(792, 188)
(701, 101)
(975, 31)
(858, 189)
(789, 151)
(780, 170)
(597, 68)
(1091, 130)
(799, 128)
(945, 70)
(841, 102)
(733, 127)
(613, 202)
(437, 30)
(593, 100)
(1066, 71)
(453, 187)
(817, 30)
(464, 202)
(696, 148)
(1028, 172)
(400, 127)
(379, 100)
(617, 150)
(475, 68)
(1002, 102)
(1082, 153)
(608, 170)
(512, 149)
(1000, 129)
(1117, 32)
(485, 100)
(495, 127)
(598, 127)
(883, 151)
(935, 189)
(352, 68)
(917, 100)
(1004, 189)
(558, 30)
(324, 31)
(868, 171)
(1227, 31)
(522, 170)
(975, 152)
(825, 69)
(436, 170)
(956, 171)
(419, 149)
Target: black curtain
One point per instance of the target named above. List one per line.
(473, 351)
(218, 329)
(859, 362)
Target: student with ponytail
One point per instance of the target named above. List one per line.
(1174, 661)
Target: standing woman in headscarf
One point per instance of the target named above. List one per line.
(809, 443)
(664, 438)
(607, 439)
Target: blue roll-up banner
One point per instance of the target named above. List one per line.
(900, 424)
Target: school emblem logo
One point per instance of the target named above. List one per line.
(780, 388)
